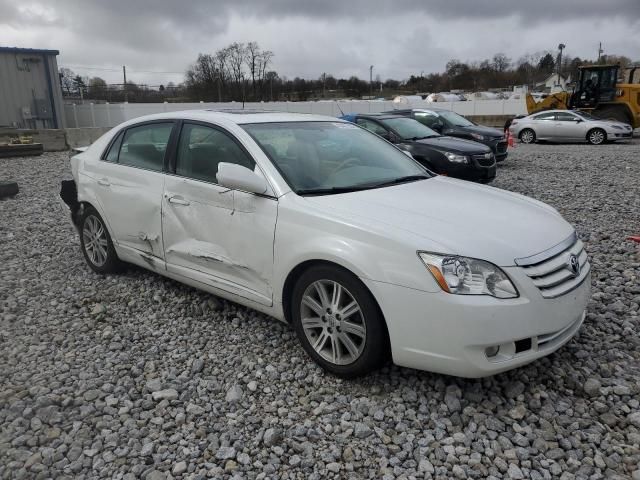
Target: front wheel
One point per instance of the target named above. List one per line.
(527, 136)
(338, 322)
(596, 136)
(96, 243)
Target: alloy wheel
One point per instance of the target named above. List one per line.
(596, 137)
(94, 236)
(527, 136)
(333, 322)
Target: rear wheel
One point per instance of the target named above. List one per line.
(527, 136)
(615, 114)
(596, 136)
(338, 322)
(96, 243)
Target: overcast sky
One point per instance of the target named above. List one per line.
(308, 37)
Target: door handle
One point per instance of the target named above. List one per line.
(178, 200)
(104, 182)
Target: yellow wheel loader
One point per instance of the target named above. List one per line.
(598, 92)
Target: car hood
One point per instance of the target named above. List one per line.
(453, 216)
(453, 144)
(482, 130)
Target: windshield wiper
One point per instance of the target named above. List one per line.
(413, 139)
(405, 179)
(356, 188)
(326, 191)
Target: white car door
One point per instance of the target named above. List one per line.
(218, 236)
(544, 125)
(129, 185)
(569, 126)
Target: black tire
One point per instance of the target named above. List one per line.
(528, 137)
(375, 346)
(111, 262)
(616, 114)
(8, 189)
(596, 136)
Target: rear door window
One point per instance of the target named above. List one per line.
(114, 150)
(545, 116)
(145, 146)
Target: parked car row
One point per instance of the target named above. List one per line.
(342, 234)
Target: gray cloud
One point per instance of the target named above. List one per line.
(342, 37)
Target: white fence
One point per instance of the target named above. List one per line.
(110, 115)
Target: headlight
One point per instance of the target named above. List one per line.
(617, 127)
(477, 136)
(468, 276)
(456, 158)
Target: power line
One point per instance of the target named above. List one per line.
(91, 67)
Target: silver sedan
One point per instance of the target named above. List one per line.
(566, 126)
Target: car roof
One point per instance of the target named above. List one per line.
(379, 116)
(237, 116)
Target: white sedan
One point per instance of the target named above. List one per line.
(568, 126)
(328, 227)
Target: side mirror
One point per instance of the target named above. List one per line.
(437, 126)
(238, 177)
(579, 120)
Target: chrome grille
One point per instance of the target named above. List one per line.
(552, 273)
(484, 162)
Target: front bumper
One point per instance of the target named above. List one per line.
(499, 148)
(450, 334)
(473, 171)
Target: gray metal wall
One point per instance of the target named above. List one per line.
(25, 96)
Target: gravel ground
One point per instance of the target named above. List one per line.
(137, 376)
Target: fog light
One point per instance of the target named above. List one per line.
(492, 351)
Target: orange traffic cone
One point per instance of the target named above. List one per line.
(635, 238)
(510, 141)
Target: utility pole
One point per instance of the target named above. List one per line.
(600, 51)
(560, 47)
(370, 82)
(126, 93)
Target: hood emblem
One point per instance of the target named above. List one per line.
(573, 264)
(487, 156)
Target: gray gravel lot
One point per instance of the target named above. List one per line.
(137, 376)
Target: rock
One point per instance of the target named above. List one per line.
(225, 453)
(272, 436)
(179, 468)
(234, 394)
(513, 389)
(592, 387)
(362, 430)
(98, 309)
(634, 419)
(333, 467)
(252, 385)
(193, 409)
(452, 398)
(197, 366)
(518, 412)
(514, 472)
(426, 466)
(168, 394)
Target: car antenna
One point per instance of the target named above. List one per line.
(338, 105)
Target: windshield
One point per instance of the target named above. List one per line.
(332, 157)
(408, 128)
(454, 119)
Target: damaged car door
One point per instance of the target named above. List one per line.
(216, 235)
(129, 186)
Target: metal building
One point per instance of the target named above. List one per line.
(30, 94)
